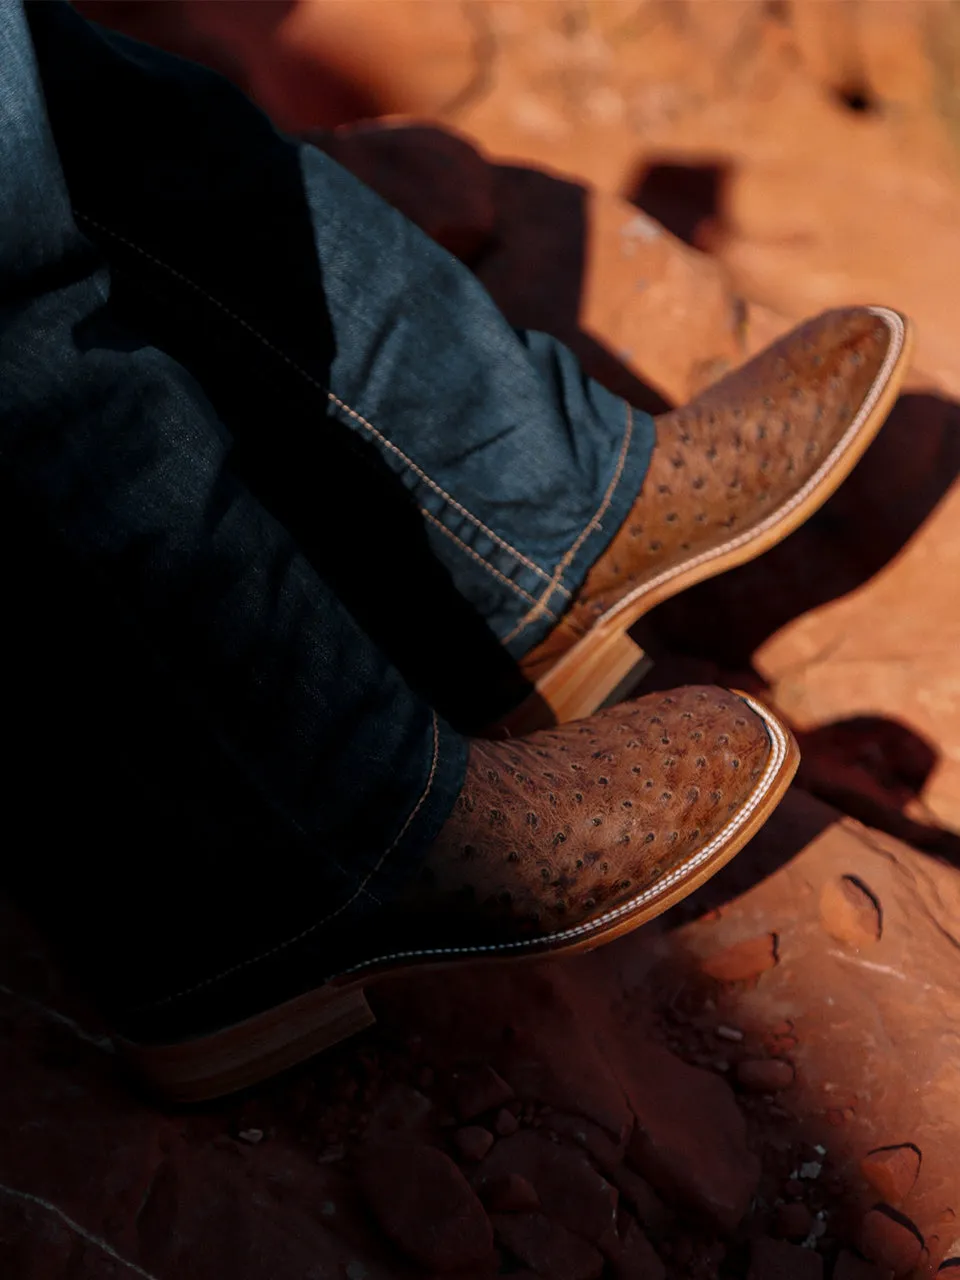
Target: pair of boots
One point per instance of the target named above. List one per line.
(573, 828)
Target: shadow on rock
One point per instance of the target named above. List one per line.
(870, 766)
(875, 769)
(901, 479)
(688, 199)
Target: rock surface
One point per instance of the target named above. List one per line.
(690, 1139)
(890, 1242)
(630, 1033)
(425, 1205)
(849, 912)
(892, 1172)
(765, 1075)
(777, 1260)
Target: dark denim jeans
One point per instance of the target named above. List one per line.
(279, 484)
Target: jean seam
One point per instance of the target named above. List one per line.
(468, 550)
(540, 608)
(318, 924)
(331, 397)
(422, 475)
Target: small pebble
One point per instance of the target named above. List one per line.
(506, 1123)
(794, 1221)
(765, 1075)
(509, 1193)
(742, 960)
(479, 1089)
(850, 913)
(849, 1266)
(892, 1171)
(811, 1169)
(473, 1141)
(253, 1136)
(729, 1033)
(889, 1243)
(777, 1260)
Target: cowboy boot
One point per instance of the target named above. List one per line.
(731, 475)
(559, 842)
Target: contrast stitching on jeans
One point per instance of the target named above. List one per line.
(778, 741)
(282, 946)
(388, 444)
(540, 608)
(476, 556)
(341, 404)
(898, 337)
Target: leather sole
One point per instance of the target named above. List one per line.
(248, 1052)
(606, 662)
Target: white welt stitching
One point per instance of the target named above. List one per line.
(779, 753)
(893, 321)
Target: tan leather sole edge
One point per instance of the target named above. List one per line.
(244, 1054)
(605, 660)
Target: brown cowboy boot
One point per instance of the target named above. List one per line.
(731, 475)
(558, 842)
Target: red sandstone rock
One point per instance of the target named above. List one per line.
(690, 1138)
(548, 1248)
(850, 1266)
(777, 1260)
(765, 1075)
(400, 1110)
(479, 1089)
(889, 1243)
(742, 960)
(794, 1221)
(473, 1141)
(508, 1193)
(506, 1123)
(892, 1171)
(424, 1204)
(638, 1193)
(638, 1260)
(849, 913)
(590, 1137)
(571, 1190)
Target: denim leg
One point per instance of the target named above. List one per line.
(520, 467)
(206, 757)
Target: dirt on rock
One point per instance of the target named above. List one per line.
(764, 1083)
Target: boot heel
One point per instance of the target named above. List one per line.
(602, 674)
(599, 673)
(250, 1051)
